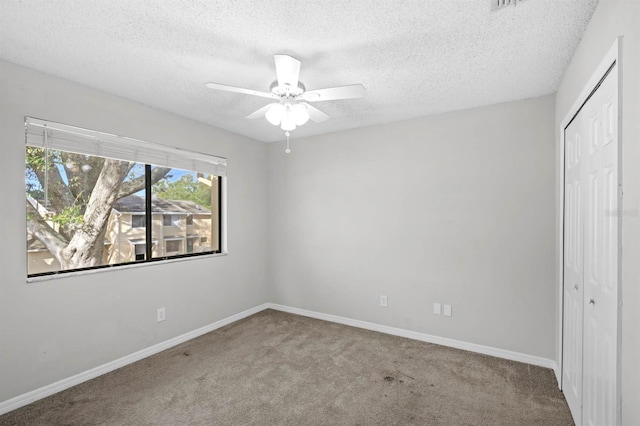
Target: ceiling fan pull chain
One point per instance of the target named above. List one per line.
(287, 151)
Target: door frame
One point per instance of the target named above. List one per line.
(613, 56)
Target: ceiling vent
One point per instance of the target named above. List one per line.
(501, 4)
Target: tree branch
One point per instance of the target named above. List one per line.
(134, 185)
(39, 228)
(81, 181)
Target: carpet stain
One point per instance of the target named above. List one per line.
(389, 379)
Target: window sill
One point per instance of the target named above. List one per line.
(122, 267)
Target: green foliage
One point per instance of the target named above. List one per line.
(36, 167)
(185, 188)
(69, 217)
(34, 158)
(36, 164)
(34, 161)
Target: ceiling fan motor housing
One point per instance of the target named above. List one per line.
(287, 89)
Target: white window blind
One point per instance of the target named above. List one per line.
(83, 141)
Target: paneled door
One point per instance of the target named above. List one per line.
(591, 241)
(573, 269)
(601, 256)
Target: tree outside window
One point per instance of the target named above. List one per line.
(85, 211)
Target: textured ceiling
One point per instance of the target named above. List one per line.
(414, 57)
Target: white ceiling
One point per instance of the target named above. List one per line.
(415, 57)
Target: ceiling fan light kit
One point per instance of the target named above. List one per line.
(291, 109)
(287, 115)
(274, 114)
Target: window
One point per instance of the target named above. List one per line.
(96, 200)
(172, 246)
(171, 220)
(138, 221)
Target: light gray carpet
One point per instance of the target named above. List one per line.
(275, 368)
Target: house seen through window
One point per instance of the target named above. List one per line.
(86, 210)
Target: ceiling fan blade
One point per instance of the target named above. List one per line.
(315, 114)
(287, 70)
(351, 91)
(218, 86)
(259, 113)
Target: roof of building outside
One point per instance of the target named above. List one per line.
(135, 204)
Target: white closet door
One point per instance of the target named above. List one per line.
(601, 256)
(573, 269)
(590, 327)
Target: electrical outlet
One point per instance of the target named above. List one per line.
(437, 309)
(383, 301)
(161, 315)
(447, 310)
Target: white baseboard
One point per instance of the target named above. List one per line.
(63, 384)
(556, 370)
(486, 350)
(29, 397)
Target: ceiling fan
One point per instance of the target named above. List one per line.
(291, 107)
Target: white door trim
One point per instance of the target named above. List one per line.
(613, 56)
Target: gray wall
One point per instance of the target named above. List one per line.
(611, 19)
(456, 208)
(54, 329)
